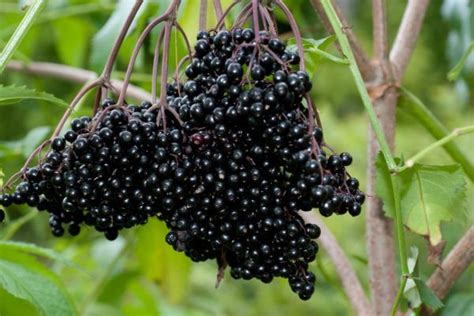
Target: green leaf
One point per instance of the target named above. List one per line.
(23, 277)
(160, 262)
(429, 195)
(456, 71)
(11, 305)
(104, 40)
(426, 295)
(72, 50)
(25, 146)
(13, 94)
(315, 52)
(33, 249)
(413, 259)
(459, 304)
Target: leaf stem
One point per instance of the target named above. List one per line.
(346, 49)
(403, 283)
(455, 133)
(401, 241)
(410, 104)
(15, 40)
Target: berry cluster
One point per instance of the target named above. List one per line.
(258, 161)
(110, 172)
(229, 181)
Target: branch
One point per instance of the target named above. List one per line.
(362, 60)
(458, 260)
(380, 32)
(407, 35)
(350, 282)
(72, 74)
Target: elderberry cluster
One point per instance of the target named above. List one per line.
(110, 172)
(257, 161)
(228, 179)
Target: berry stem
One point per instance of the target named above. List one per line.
(164, 71)
(218, 9)
(156, 57)
(255, 16)
(221, 21)
(169, 11)
(203, 15)
(295, 29)
(118, 42)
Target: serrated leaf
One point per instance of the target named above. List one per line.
(11, 305)
(104, 39)
(426, 295)
(23, 277)
(160, 262)
(72, 50)
(14, 94)
(429, 195)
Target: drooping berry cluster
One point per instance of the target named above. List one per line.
(257, 161)
(229, 182)
(108, 172)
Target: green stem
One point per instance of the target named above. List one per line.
(413, 106)
(400, 239)
(455, 133)
(17, 224)
(15, 40)
(346, 49)
(399, 296)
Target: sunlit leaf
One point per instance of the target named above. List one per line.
(104, 39)
(23, 277)
(160, 262)
(429, 195)
(14, 94)
(25, 146)
(72, 50)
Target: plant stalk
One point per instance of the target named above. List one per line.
(345, 47)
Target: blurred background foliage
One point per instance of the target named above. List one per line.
(138, 274)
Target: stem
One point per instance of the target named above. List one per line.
(456, 262)
(295, 29)
(118, 42)
(455, 133)
(401, 241)
(345, 47)
(15, 40)
(172, 7)
(415, 107)
(203, 15)
(399, 297)
(156, 57)
(221, 21)
(218, 9)
(256, 26)
(349, 279)
(380, 30)
(73, 74)
(407, 35)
